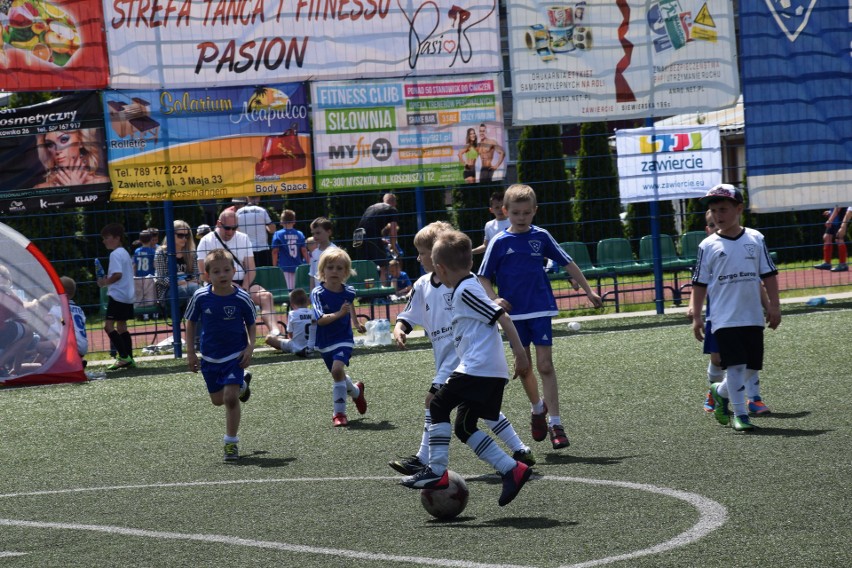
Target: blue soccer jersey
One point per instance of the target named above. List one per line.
(514, 262)
(143, 261)
(289, 243)
(222, 321)
(338, 333)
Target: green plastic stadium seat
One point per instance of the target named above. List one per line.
(303, 278)
(689, 242)
(580, 254)
(670, 259)
(272, 279)
(617, 256)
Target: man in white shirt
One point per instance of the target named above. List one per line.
(226, 236)
(256, 223)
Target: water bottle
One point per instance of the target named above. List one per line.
(99, 269)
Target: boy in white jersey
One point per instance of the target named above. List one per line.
(321, 230)
(301, 327)
(225, 315)
(429, 308)
(77, 315)
(731, 264)
(499, 223)
(514, 261)
(476, 385)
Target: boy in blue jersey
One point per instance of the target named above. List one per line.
(476, 385)
(332, 301)
(514, 261)
(288, 248)
(226, 315)
(428, 307)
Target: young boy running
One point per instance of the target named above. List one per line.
(514, 261)
(225, 314)
(334, 312)
(476, 385)
(428, 307)
(731, 264)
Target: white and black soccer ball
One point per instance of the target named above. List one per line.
(446, 503)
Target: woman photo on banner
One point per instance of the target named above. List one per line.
(468, 156)
(71, 157)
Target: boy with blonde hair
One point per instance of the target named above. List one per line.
(476, 385)
(514, 261)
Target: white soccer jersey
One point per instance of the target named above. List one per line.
(477, 340)
(302, 327)
(253, 220)
(732, 268)
(495, 226)
(124, 290)
(239, 245)
(315, 256)
(429, 306)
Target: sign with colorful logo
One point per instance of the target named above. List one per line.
(52, 45)
(577, 61)
(208, 143)
(404, 133)
(659, 163)
(52, 155)
(797, 90)
(190, 43)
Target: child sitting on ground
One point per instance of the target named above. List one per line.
(301, 327)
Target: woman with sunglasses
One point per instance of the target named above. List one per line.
(187, 273)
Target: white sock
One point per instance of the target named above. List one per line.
(351, 389)
(752, 383)
(555, 421)
(715, 374)
(338, 395)
(735, 386)
(486, 450)
(423, 452)
(538, 407)
(231, 440)
(506, 432)
(439, 447)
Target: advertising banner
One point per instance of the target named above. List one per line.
(188, 43)
(658, 163)
(52, 155)
(56, 45)
(208, 143)
(797, 89)
(408, 132)
(582, 61)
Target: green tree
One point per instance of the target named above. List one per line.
(639, 220)
(541, 165)
(596, 204)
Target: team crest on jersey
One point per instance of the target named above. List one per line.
(750, 251)
(230, 311)
(791, 15)
(448, 299)
(536, 246)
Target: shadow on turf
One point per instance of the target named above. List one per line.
(787, 432)
(360, 424)
(257, 458)
(534, 523)
(563, 459)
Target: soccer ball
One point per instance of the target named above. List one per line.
(446, 503)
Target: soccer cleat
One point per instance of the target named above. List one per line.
(841, 267)
(720, 407)
(741, 423)
(758, 407)
(709, 403)
(122, 363)
(823, 266)
(558, 437)
(407, 466)
(360, 402)
(340, 420)
(512, 483)
(245, 396)
(427, 479)
(538, 425)
(304, 353)
(232, 452)
(526, 457)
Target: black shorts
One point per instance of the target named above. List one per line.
(486, 174)
(263, 257)
(118, 311)
(482, 395)
(12, 331)
(741, 346)
(469, 172)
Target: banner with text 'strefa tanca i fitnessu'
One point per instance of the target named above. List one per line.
(797, 90)
(52, 45)
(581, 61)
(193, 43)
(208, 143)
(52, 155)
(408, 132)
(673, 162)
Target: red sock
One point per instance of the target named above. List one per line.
(841, 252)
(826, 253)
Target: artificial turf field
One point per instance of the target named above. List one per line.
(128, 471)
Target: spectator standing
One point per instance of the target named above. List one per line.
(288, 248)
(367, 239)
(257, 224)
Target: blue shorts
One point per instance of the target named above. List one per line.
(217, 375)
(538, 331)
(339, 354)
(710, 345)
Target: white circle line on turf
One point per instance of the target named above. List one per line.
(712, 515)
